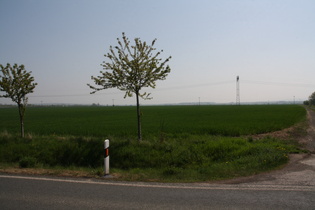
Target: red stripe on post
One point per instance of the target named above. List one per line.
(106, 152)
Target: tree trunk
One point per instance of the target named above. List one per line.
(21, 113)
(139, 118)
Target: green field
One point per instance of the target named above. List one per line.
(156, 120)
(180, 143)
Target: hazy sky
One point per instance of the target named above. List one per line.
(269, 44)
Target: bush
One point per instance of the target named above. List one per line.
(27, 162)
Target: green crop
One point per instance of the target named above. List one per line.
(158, 121)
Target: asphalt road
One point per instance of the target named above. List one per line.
(27, 192)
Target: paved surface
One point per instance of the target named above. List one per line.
(28, 192)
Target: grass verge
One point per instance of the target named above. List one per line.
(187, 158)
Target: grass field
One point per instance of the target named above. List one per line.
(156, 120)
(180, 144)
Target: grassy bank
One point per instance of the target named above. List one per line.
(193, 158)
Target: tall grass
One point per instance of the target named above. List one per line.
(52, 150)
(194, 158)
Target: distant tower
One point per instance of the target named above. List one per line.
(238, 100)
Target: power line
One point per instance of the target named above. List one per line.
(184, 87)
(196, 85)
(54, 96)
(278, 83)
(70, 95)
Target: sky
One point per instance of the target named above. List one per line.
(269, 44)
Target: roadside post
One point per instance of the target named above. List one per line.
(106, 157)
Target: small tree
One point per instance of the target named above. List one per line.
(131, 68)
(312, 99)
(306, 103)
(16, 82)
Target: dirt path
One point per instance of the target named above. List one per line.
(309, 140)
(300, 171)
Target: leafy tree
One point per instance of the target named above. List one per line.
(312, 99)
(306, 103)
(16, 82)
(131, 68)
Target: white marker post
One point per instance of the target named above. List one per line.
(106, 157)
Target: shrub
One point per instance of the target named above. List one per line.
(27, 162)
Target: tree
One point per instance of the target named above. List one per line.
(312, 99)
(16, 82)
(131, 68)
(306, 103)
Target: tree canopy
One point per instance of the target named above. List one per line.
(16, 83)
(312, 99)
(131, 68)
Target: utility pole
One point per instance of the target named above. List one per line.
(238, 100)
